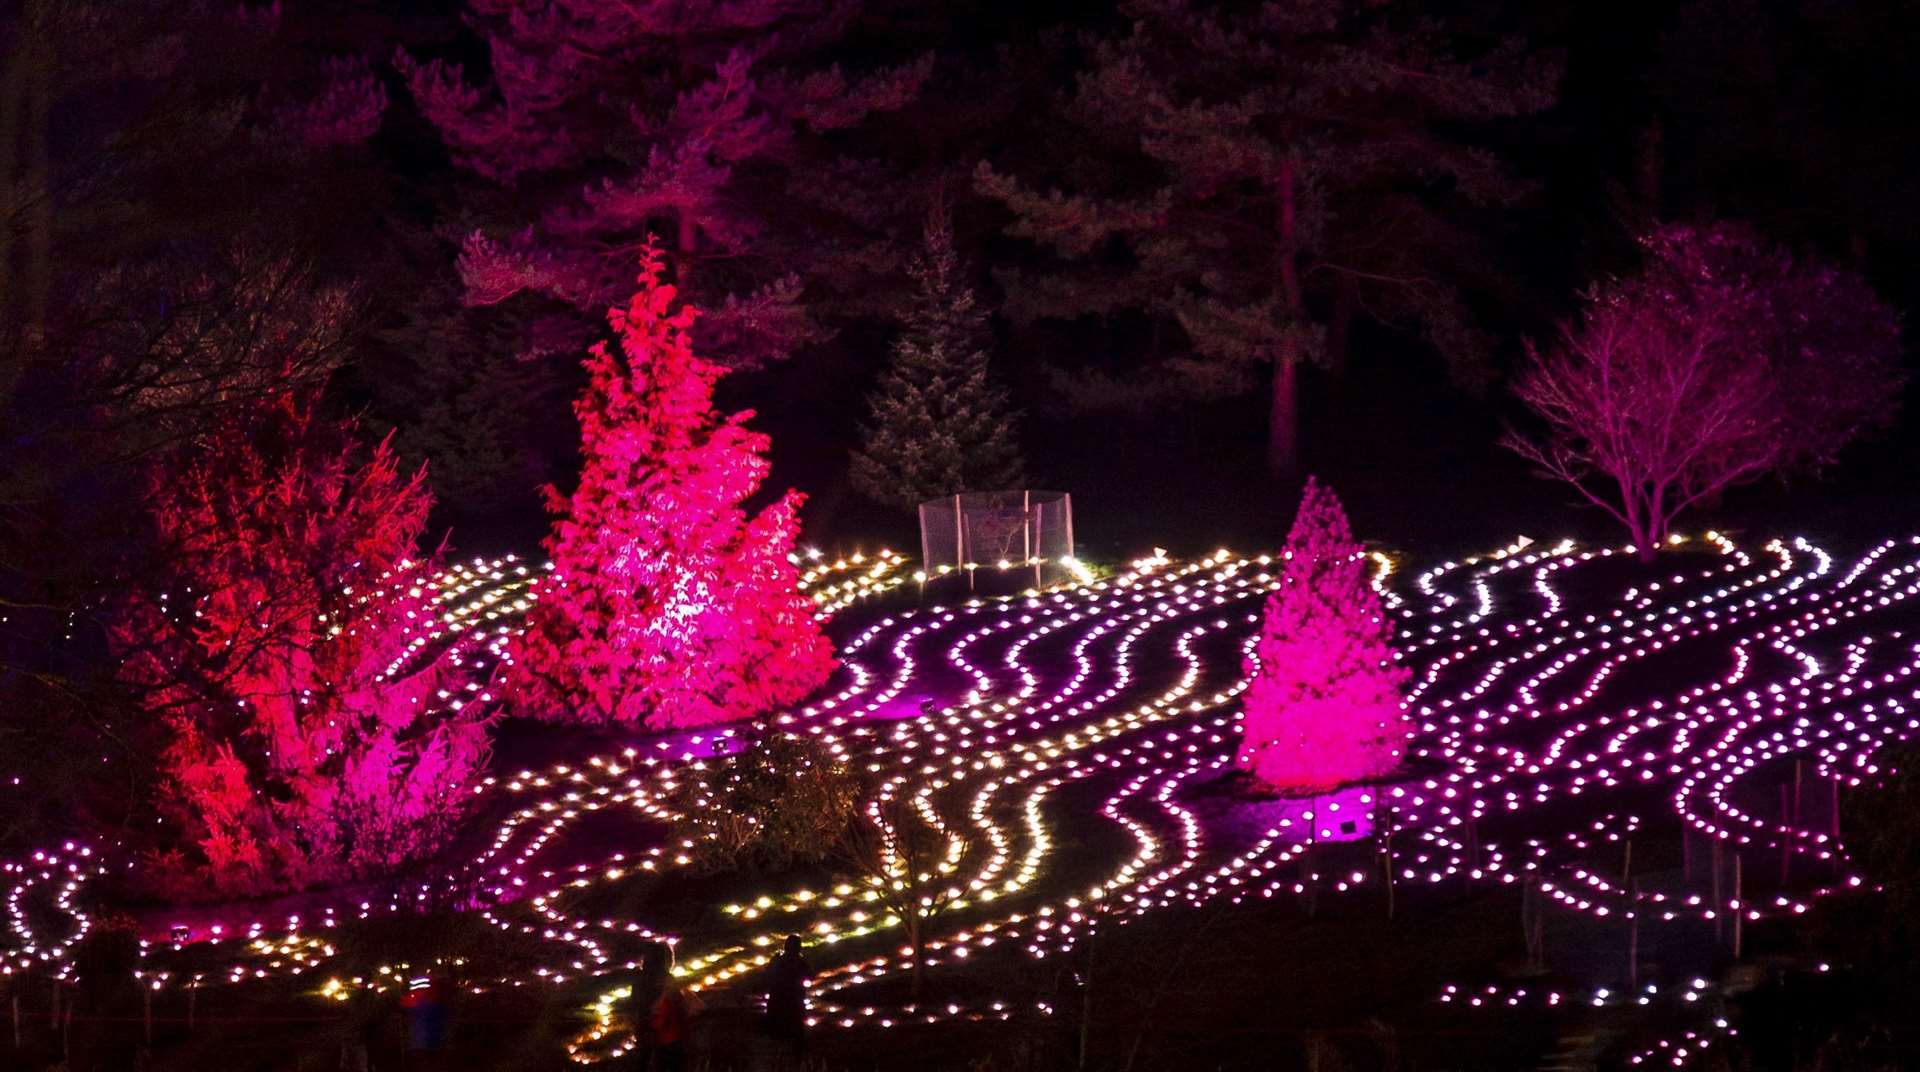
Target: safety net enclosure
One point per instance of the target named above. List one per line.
(1023, 536)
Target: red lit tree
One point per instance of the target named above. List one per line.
(1323, 704)
(666, 603)
(299, 741)
(1722, 361)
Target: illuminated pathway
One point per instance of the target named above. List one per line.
(1567, 701)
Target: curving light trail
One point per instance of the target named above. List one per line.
(1074, 748)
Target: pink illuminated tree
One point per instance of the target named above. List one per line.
(1724, 360)
(666, 604)
(1323, 704)
(299, 740)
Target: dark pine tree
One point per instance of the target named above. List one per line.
(940, 424)
(718, 127)
(454, 385)
(1255, 176)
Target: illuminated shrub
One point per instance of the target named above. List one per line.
(1323, 704)
(297, 744)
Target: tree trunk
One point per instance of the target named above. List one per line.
(916, 939)
(1283, 420)
(1283, 412)
(1651, 535)
(1643, 524)
(1656, 521)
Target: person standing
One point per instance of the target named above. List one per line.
(787, 979)
(643, 994)
(671, 1020)
(427, 1016)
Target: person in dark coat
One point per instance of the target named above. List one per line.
(672, 1021)
(427, 1016)
(787, 980)
(647, 988)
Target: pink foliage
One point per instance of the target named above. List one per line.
(501, 141)
(1323, 704)
(617, 120)
(1723, 361)
(299, 744)
(344, 108)
(666, 604)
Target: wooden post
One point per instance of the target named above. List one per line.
(1471, 839)
(193, 991)
(1530, 912)
(1626, 866)
(1797, 765)
(1835, 782)
(1633, 936)
(1539, 932)
(146, 1011)
(1086, 1002)
(16, 1021)
(1526, 916)
(1306, 858)
(1686, 854)
(1786, 835)
(1739, 911)
(1386, 850)
(1719, 907)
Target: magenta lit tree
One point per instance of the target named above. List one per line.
(666, 604)
(298, 742)
(1323, 703)
(1724, 360)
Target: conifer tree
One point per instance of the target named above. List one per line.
(1323, 704)
(299, 743)
(1250, 176)
(154, 283)
(721, 127)
(666, 604)
(939, 423)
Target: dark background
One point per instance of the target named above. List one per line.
(1789, 116)
(1786, 116)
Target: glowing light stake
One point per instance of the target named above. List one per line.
(1556, 714)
